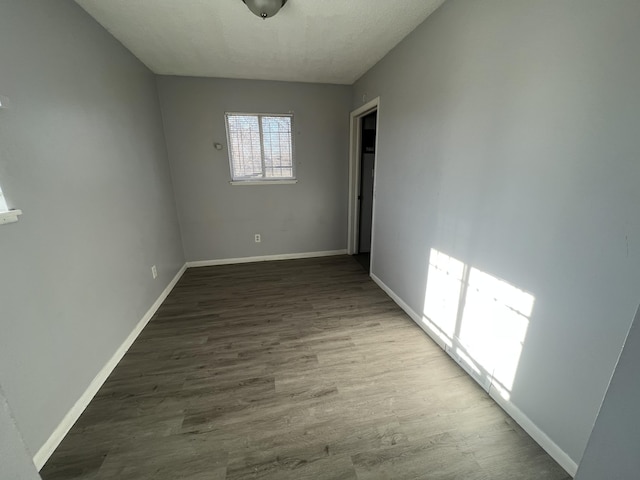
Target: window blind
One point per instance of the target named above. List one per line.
(260, 146)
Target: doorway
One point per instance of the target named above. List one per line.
(364, 134)
(367, 173)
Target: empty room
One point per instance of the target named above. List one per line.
(267, 239)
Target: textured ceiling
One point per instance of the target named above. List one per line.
(326, 41)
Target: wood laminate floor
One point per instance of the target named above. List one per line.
(299, 369)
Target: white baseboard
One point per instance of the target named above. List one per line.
(514, 412)
(409, 311)
(43, 454)
(536, 433)
(265, 258)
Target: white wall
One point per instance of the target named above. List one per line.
(218, 220)
(508, 139)
(15, 462)
(82, 153)
(612, 451)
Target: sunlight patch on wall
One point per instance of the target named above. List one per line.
(481, 319)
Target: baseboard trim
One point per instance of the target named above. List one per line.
(43, 454)
(409, 311)
(265, 258)
(536, 433)
(514, 412)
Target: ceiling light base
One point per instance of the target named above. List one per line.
(265, 8)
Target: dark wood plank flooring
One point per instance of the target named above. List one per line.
(298, 369)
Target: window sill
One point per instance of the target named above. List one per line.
(9, 217)
(262, 182)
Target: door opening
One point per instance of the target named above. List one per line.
(364, 129)
(367, 173)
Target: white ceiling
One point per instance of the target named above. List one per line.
(325, 41)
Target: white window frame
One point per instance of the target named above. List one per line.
(3, 202)
(6, 215)
(261, 180)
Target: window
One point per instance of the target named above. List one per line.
(6, 215)
(260, 147)
(3, 203)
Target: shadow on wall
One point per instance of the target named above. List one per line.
(479, 319)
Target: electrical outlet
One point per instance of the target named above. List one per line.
(154, 272)
(258, 238)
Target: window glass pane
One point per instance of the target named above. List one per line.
(3, 203)
(278, 157)
(260, 146)
(244, 145)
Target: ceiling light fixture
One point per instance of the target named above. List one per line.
(265, 8)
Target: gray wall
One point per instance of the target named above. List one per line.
(82, 153)
(612, 451)
(219, 220)
(509, 139)
(15, 461)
